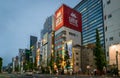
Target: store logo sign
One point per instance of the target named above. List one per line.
(73, 19)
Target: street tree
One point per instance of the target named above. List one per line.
(31, 65)
(100, 60)
(26, 66)
(0, 63)
(51, 63)
(35, 65)
(58, 60)
(17, 68)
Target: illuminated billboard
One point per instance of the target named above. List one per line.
(113, 49)
(69, 48)
(68, 17)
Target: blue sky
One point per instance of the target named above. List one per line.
(21, 18)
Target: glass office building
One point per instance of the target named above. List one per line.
(92, 18)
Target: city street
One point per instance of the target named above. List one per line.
(59, 39)
(64, 76)
(49, 76)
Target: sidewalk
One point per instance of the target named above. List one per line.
(102, 76)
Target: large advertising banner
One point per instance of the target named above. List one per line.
(68, 17)
(114, 50)
(69, 48)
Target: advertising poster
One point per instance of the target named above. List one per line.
(114, 50)
(69, 47)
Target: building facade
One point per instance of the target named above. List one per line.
(87, 59)
(47, 35)
(92, 19)
(83, 59)
(112, 24)
(67, 30)
(33, 49)
(76, 59)
(112, 30)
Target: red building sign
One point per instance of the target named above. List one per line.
(65, 16)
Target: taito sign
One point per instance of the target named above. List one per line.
(65, 16)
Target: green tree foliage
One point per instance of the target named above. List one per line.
(9, 70)
(58, 60)
(66, 57)
(30, 65)
(26, 66)
(17, 68)
(100, 60)
(0, 63)
(35, 64)
(51, 62)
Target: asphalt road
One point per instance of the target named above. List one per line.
(49, 76)
(62, 76)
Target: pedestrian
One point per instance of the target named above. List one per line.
(62, 72)
(71, 71)
(104, 70)
(80, 70)
(57, 71)
(95, 71)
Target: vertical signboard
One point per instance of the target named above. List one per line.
(59, 18)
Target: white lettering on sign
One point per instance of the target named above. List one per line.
(58, 18)
(73, 19)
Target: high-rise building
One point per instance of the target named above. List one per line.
(67, 30)
(112, 30)
(21, 52)
(33, 41)
(46, 40)
(92, 19)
